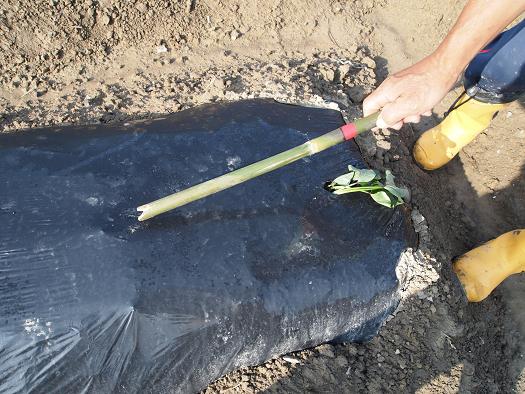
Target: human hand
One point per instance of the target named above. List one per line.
(409, 94)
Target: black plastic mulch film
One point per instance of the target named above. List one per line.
(91, 300)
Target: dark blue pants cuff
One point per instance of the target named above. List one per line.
(497, 73)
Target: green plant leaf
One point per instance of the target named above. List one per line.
(382, 190)
(389, 178)
(382, 197)
(398, 191)
(344, 179)
(363, 175)
(366, 176)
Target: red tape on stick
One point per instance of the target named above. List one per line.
(349, 131)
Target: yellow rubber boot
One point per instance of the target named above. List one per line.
(437, 146)
(484, 268)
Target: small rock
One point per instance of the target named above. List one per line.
(367, 144)
(291, 360)
(417, 218)
(218, 83)
(385, 133)
(421, 295)
(106, 19)
(142, 7)
(162, 49)
(369, 62)
(352, 350)
(328, 74)
(397, 351)
(343, 69)
(357, 94)
(326, 350)
(234, 34)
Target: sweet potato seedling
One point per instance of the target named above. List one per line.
(382, 190)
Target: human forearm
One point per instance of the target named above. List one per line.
(479, 22)
(406, 95)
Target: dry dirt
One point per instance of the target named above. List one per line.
(67, 61)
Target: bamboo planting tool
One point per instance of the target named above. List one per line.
(309, 148)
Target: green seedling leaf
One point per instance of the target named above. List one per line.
(363, 175)
(366, 176)
(398, 191)
(382, 197)
(383, 191)
(389, 178)
(344, 179)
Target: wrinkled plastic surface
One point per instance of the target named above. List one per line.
(91, 300)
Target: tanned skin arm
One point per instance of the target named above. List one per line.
(411, 93)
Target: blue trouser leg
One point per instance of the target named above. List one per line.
(497, 73)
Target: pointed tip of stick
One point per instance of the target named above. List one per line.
(144, 209)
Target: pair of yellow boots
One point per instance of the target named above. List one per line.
(485, 267)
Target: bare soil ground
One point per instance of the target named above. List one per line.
(67, 61)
